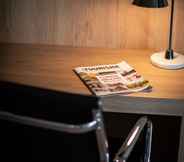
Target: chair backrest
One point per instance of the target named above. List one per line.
(40, 124)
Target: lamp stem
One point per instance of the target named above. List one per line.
(170, 52)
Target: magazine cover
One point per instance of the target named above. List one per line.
(112, 78)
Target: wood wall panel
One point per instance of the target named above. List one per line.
(179, 26)
(89, 23)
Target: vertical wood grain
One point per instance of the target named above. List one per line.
(179, 26)
(89, 23)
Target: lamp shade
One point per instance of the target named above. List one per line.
(151, 3)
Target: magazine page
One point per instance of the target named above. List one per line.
(112, 79)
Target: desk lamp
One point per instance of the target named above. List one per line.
(168, 59)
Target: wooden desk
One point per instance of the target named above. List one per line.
(51, 67)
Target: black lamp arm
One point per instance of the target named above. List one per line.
(170, 52)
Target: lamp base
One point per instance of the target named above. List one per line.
(159, 60)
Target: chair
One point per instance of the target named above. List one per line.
(72, 121)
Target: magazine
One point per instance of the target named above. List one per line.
(112, 79)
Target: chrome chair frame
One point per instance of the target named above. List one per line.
(127, 147)
(97, 125)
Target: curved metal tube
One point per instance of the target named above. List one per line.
(101, 137)
(149, 133)
(60, 127)
(132, 138)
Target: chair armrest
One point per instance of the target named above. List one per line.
(50, 125)
(127, 147)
